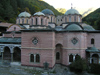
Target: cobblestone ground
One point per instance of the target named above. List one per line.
(12, 71)
(7, 70)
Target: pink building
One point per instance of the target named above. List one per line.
(43, 37)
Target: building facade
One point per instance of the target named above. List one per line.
(44, 38)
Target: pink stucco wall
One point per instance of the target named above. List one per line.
(45, 47)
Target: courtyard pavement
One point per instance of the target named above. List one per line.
(17, 70)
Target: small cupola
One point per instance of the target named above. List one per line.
(39, 18)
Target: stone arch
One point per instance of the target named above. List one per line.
(95, 58)
(59, 46)
(7, 53)
(17, 54)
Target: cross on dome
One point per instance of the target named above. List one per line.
(71, 6)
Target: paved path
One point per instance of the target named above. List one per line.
(7, 70)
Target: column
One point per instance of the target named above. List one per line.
(2, 56)
(99, 60)
(11, 57)
(35, 58)
(73, 57)
(90, 60)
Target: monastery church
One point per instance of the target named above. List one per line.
(45, 38)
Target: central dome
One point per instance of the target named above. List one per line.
(73, 27)
(71, 11)
(47, 12)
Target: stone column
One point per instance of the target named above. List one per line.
(73, 57)
(35, 58)
(11, 57)
(90, 60)
(2, 56)
(99, 60)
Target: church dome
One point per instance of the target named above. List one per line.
(47, 12)
(71, 11)
(24, 14)
(39, 14)
(73, 27)
(88, 27)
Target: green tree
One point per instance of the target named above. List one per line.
(27, 9)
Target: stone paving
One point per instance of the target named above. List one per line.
(8, 70)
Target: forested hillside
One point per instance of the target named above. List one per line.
(93, 19)
(9, 9)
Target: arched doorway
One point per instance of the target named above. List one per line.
(95, 59)
(17, 54)
(58, 53)
(7, 54)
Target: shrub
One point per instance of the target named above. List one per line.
(78, 65)
(95, 68)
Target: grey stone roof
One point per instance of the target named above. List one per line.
(92, 49)
(10, 40)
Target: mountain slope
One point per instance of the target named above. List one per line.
(62, 10)
(93, 19)
(9, 9)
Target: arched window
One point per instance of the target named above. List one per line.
(22, 21)
(41, 21)
(77, 57)
(57, 56)
(32, 21)
(32, 58)
(14, 28)
(36, 21)
(74, 18)
(92, 41)
(51, 18)
(71, 58)
(69, 18)
(65, 19)
(78, 19)
(27, 21)
(37, 58)
(19, 21)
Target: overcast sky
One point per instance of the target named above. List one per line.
(76, 3)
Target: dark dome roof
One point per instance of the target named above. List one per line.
(71, 11)
(73, 27)
(48, 12)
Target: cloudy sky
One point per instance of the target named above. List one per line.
(76, 3)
